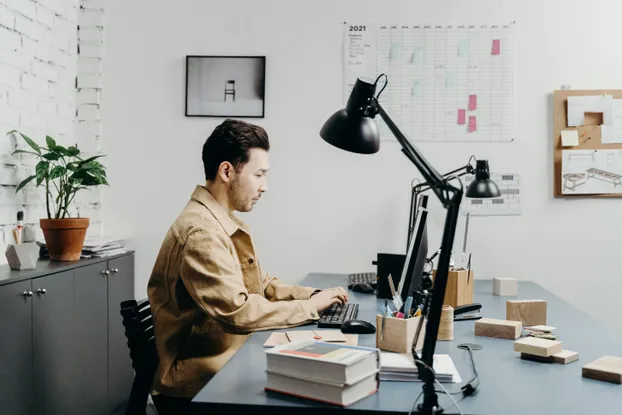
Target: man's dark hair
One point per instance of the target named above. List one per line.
(231, 141)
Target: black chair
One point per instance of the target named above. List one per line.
(230, 89)
(138, 324)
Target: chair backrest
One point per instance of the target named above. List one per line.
(138, 324)
(231, 82)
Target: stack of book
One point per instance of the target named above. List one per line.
(92, 248)
(332, 373)
(402, 367)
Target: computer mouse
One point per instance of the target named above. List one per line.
(357, 327)
(363, 287)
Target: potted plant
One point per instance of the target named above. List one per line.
(63, 173)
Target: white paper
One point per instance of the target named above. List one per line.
(612, 134)
(570, 138)
(579, 105)
(591, 171)
(447, 65)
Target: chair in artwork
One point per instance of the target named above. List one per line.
(230, 89)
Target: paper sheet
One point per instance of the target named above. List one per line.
(509, 203)
(579, 105)
(611, 134)
(570, 138)
(280, 337)
(591, 171)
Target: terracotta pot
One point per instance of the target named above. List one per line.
(64, 237)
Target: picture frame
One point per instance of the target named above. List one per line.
(225, 86)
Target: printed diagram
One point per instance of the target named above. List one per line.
(507, 204)
(591, 171)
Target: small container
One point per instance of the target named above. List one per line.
(399, 334)
(22, 256)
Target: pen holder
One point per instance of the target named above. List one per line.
(22, 256)
(399, 334)
(459, 290)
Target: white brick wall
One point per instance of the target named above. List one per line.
(51, 54)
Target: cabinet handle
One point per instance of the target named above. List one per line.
(115, 270)
(41, 291)
(106, 272)
(27, 294)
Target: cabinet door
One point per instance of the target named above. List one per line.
(16, 377)
(120, 372)
(54, 344)
(91, 339)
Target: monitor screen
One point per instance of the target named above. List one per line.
(417, 253)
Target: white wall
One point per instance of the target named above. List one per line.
(39, 64)
(332, 211)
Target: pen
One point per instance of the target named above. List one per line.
(20, 227)
(469, 270)
(384, 318)
(407, 306)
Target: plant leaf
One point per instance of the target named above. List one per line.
(42, 171)
(24, 183)
(53, 156)
(73, 151)
(89, 160)
(27, 139)
(57, 172)
(50, 142)
(24, 152)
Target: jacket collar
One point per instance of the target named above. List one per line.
(229, 222)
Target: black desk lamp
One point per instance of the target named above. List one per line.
(354, 129)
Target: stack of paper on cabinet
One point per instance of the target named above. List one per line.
(327, 372)
(401, 367)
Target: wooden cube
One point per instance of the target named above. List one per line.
(500, 329)
(459, 289)
(564, 357)
(606, 369)
(537, 347)
(529, 312)
(504, 286)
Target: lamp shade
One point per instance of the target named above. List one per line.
(352, 128)
(482, 187)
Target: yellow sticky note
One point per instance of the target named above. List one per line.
(570, 138)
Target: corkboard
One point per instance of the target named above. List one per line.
(589, 134)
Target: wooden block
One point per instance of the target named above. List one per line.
(565, 356)
(607, 369)
(504, 286)
(537, 347)
(500, 329)
(459, 289)
(529, 312)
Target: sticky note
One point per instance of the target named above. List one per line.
(496, 46)
(416, 88)
(472, 102)
(394, 53)
(570, 138)
(450, 79)
(463, 47)
(472, 123)
(417, 56)
(461, 117)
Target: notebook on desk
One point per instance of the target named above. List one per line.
(401, 367)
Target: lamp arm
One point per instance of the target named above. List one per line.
(450, 196)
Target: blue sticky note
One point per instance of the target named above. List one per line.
(417, 56)
(450, 80)
(394, 54)
(416, 88)
(463, 47)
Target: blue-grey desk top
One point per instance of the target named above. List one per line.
(508, 385)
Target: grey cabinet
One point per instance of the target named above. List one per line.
(62, 339)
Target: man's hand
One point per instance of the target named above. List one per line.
(326, 298)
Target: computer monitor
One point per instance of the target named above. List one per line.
(417, 253)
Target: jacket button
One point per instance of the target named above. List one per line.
(251, 260)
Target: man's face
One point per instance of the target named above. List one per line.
(247, 186)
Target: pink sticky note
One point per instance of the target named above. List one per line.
(472, 123)
(461, 117)
(472, 102)
(496, 47)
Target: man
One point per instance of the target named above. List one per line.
(207, 289)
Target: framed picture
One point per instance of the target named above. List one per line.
(225, 86)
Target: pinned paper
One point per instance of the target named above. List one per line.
(472, 102)
(612, 134)
(579, 105)
(461, 117)
(570, 138)
(496, 47)
(472, 124)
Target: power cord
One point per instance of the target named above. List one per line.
(470, 387)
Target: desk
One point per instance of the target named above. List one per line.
(507, 383)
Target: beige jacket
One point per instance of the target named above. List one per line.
(208, 293)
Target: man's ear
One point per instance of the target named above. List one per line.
(226, 171)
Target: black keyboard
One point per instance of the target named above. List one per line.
(368, 277)
(337, 314)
